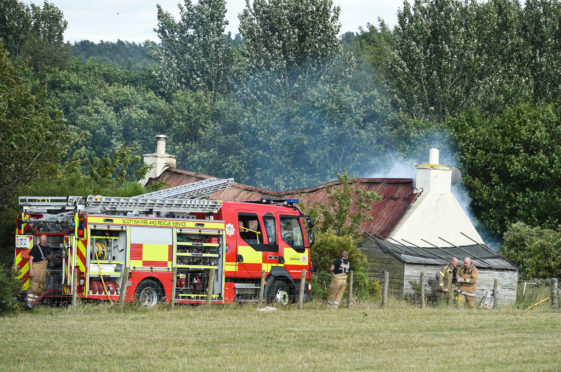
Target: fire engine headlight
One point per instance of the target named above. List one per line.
(81, 282)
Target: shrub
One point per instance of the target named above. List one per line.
(9, 286)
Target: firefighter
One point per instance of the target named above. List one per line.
(467, 282)
(447, 280)
(340, 270)
(38, 257)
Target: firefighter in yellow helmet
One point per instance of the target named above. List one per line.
(467, 283)
(447, 280)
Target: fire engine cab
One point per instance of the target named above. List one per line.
(167, 245)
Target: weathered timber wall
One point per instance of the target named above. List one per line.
(378, 262)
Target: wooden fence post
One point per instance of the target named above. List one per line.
(173, 286)
(496, 294)
(422, 282)
(74, 287)
(554, 293)
(302, 286)
(350, 301)
(386, 285)
(210, 289)
(123, 291)
(262, 286)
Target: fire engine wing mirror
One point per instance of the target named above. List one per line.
(311, 237)
(311, 222)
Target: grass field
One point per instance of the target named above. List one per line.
(365, 337)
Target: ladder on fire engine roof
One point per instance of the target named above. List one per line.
(104, 204)
(183, 198)
(194, 190)
(148, 205)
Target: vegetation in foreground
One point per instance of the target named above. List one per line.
(364, 337)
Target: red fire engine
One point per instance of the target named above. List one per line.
(98, 240)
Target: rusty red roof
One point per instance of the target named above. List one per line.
(398, 195)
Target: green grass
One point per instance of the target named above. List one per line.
(365, 337)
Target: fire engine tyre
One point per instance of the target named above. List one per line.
(148, 293)
(279, 293)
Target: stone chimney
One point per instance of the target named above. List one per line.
(159, 161)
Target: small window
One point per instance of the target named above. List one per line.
(250, 228)
(251, 232)
(271, 229)
(291, 232)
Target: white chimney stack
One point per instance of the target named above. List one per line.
(161, 144)
(436, 213)
(434, 155)
(159, 161)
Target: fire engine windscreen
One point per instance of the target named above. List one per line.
(291, 232)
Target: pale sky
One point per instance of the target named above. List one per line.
(135, 20)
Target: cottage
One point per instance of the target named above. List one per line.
(416, 227)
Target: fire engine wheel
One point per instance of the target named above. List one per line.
(280, 293)
(148, 293)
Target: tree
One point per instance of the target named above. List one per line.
(337, 230)
(35, 135)
(195, 52)
(15, 22)
(347, 209)
(374, 47)
(292, 39)
(535, 251)
(44, 44)
(512, 165)
(452, 56)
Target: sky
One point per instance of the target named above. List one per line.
(135, 20)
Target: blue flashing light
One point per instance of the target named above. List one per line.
(293, 201)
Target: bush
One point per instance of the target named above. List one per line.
(9, 287)
(535, 251)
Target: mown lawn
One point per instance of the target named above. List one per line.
(365, 337)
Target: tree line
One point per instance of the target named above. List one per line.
(289, 102)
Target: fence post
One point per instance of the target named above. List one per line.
(422, 281)
(210, 289)
(173, 286)
(496, 294)
(350, 290)
(262, 286)
(302, 286)
(123, 291)
(554, 293)
(385, 293)
(74, 287)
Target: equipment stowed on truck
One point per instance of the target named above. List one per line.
(98, 239)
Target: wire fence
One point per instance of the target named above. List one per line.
(58, 289)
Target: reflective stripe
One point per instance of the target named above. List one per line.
(468, 294)
(441, 274)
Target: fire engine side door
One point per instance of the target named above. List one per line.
(257, 248)
(292, 245)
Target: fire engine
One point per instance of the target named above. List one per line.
(99, 239)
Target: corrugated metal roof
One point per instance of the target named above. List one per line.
(398, 195)
(483, 257)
